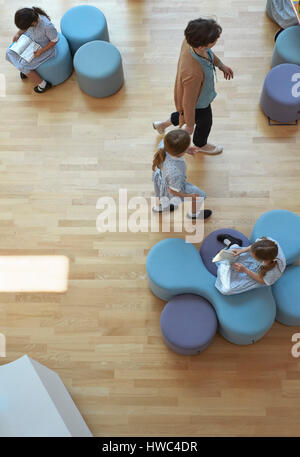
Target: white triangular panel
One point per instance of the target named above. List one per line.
(35, 402)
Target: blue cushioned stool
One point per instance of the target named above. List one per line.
(175, 267)
(211, 246)
(188, 324)
(279, 99)
(99, 70)
(60, 67)
(287, 47)
(286, 292)
(284, 227)
(82, 24)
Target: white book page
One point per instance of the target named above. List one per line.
(225, 254)
(20, 45)
(28, 53)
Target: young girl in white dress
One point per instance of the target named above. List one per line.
(169, 176)
(36, 24)
(260, 264)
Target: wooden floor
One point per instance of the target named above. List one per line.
(61, 151)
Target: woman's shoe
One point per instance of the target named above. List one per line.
(23, 76)
(230, 238)
(210, 149)
(40, 90)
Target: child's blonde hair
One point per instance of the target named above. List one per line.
(175, 142)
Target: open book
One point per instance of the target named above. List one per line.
(25, 47)
(225, 254)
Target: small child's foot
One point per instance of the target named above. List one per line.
(159, 126)
(42, 87)
(210, 149)
(229, 240)
(202, 214)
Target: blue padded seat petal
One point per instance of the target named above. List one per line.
(175, 267)
(286, 292)
(284, 227)
(211, 246)
(82, 24)
(188, 324)
(57, 69)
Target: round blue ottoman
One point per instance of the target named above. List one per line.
(211, 246)
(280, 98)
(287, 47)
(286, 292)
(284, 227)
(188, 324)
(99, 69)
(60, 67)
(82, 24)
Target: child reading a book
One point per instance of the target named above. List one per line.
(169, 176)
(34, 26)
(260, 264)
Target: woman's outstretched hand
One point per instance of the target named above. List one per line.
(227, 71)
(236, 251)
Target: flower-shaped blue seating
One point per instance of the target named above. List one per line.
(188, 324)
(287, 296)
(283, 226)
(175, 267)
(211, 246)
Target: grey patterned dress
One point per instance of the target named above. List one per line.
(42, 33)
(281, 11)
(173, 174)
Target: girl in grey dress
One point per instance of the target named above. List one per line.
(169, 176)
(36, 24)
(260, 264)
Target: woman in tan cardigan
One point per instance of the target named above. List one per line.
(194, 86)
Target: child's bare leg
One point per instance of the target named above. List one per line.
(34, 77)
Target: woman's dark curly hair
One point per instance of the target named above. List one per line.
(202, 32)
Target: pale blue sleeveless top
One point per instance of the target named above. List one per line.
(208, 92)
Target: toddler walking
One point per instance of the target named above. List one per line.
(169, 176)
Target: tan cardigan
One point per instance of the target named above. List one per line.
(188, 85)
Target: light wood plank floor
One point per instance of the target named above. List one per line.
(61, 151)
